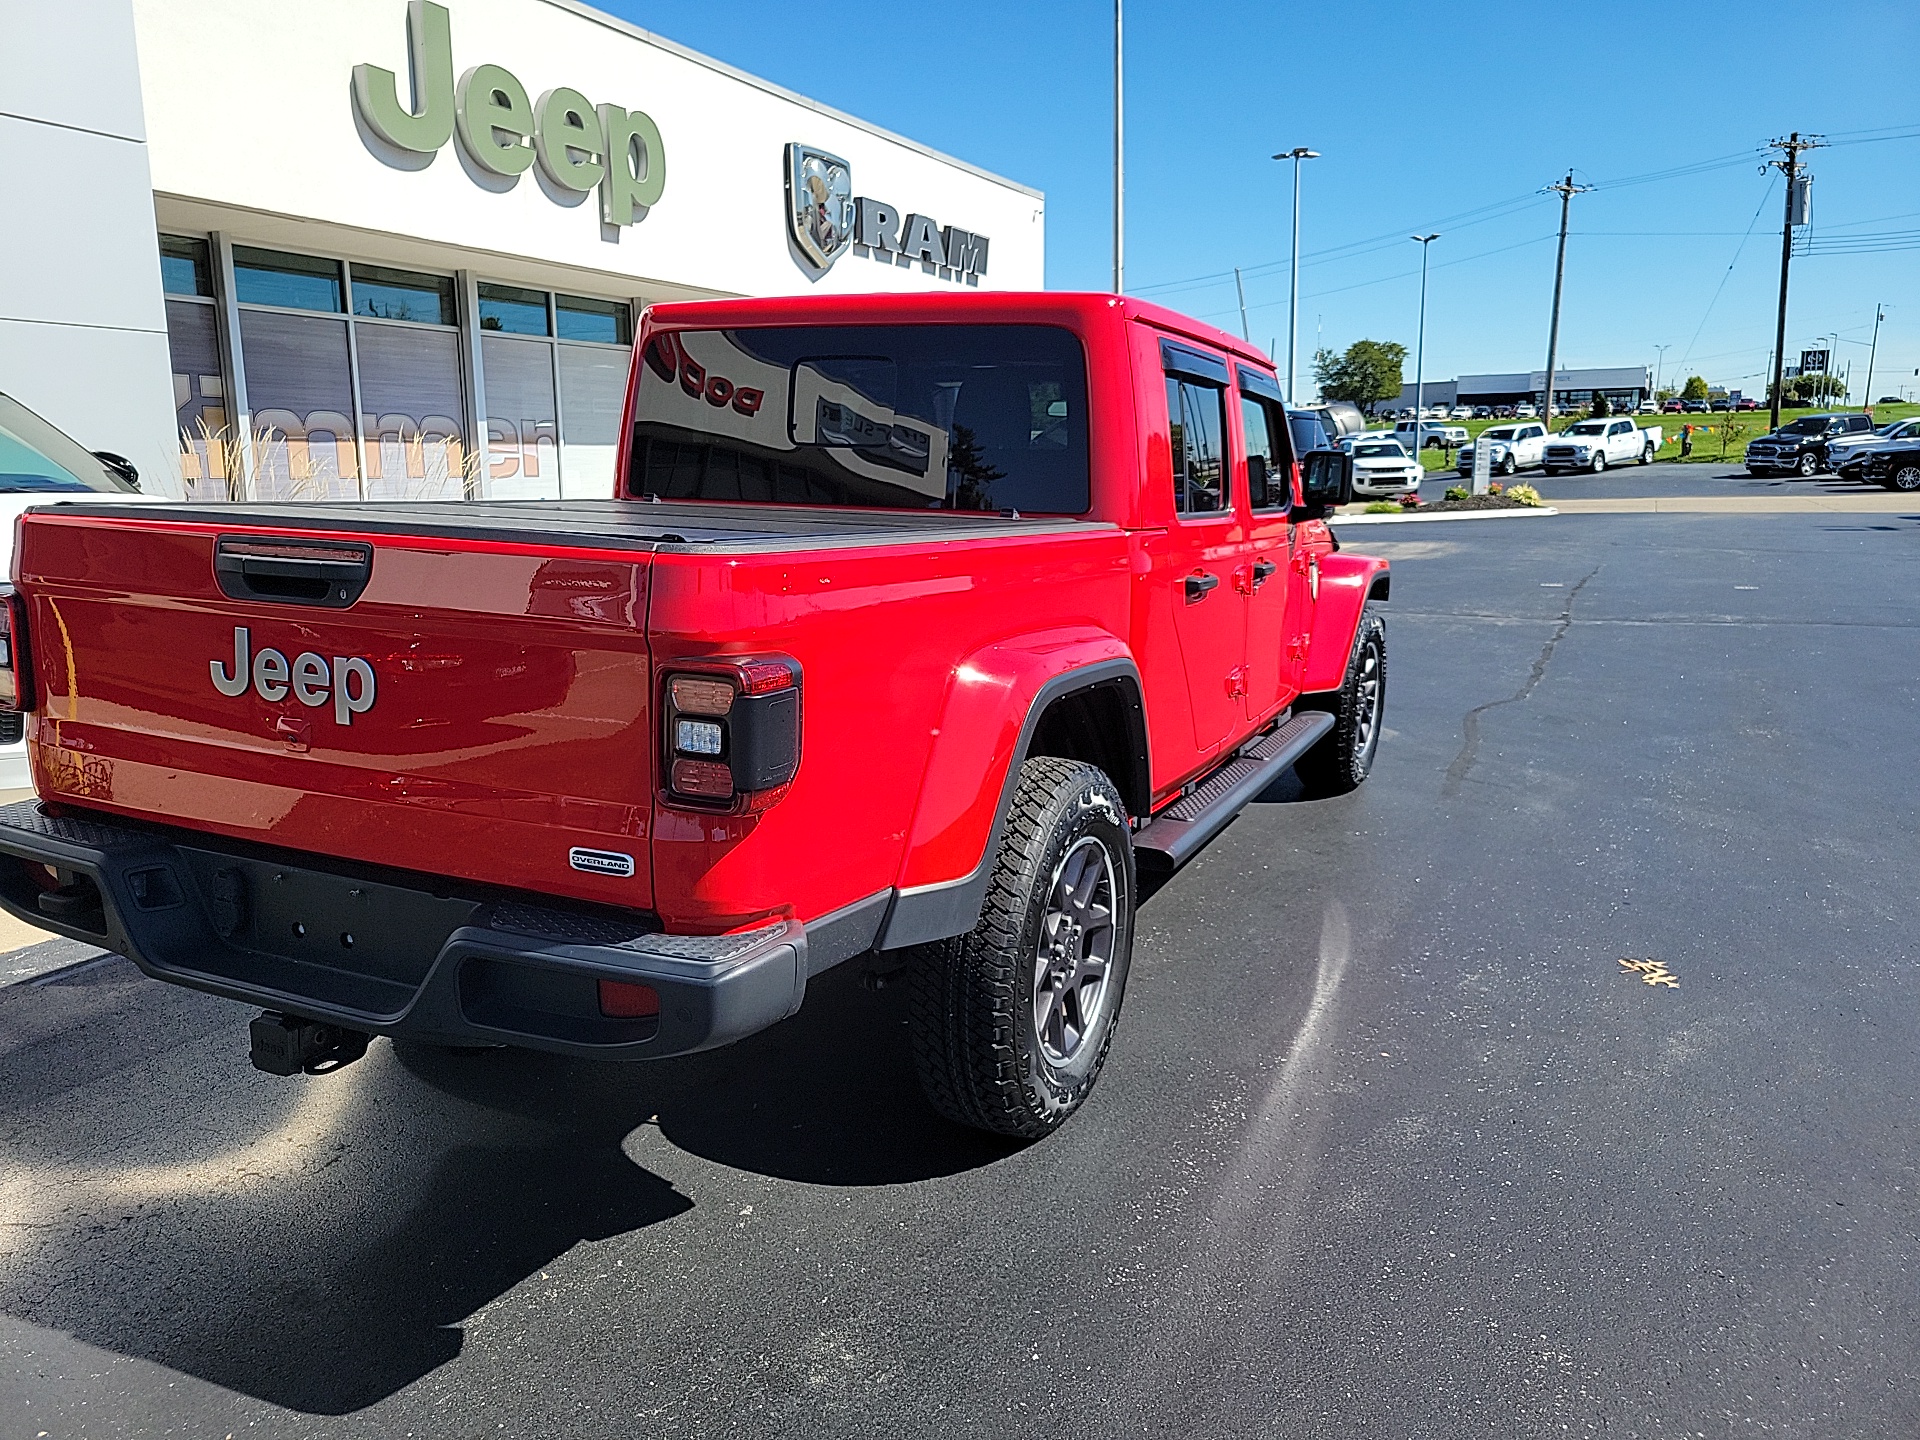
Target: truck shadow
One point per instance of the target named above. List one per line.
(828, 1097)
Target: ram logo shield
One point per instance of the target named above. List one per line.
(819, 203)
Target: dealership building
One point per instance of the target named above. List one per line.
(1624, 385)
(378, 249)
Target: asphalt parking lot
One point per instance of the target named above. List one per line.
(1391, 1142)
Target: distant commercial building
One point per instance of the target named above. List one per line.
(1621, 384)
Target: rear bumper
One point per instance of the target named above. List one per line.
(387, 953)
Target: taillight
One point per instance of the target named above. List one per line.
(16, 674)
(731, 732)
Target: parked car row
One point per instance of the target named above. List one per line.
(1847, 445)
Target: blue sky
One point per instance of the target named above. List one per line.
(1447, 120)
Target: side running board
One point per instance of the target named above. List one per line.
(1171, 837)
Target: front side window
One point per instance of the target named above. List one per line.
(928, 417)
(1269, 461)
(1196, 416)
(37, 458)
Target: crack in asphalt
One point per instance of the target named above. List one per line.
(1470, 722)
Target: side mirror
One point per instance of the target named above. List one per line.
(119, 465)
(1326, 479)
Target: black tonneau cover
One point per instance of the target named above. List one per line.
(672, 525)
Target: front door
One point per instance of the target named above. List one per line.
(1267, 579)
(1206, 546)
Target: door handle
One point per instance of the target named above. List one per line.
(1261, 570)
(1198, 584)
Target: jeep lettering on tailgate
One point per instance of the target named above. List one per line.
(309, 677)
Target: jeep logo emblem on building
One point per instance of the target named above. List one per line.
(577, 144)
(826, 217)
(348, 680)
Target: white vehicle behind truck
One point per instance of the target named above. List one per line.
(1511, 448)
(1593, 445)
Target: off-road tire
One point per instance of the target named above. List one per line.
(971, 998)
(1344, 757)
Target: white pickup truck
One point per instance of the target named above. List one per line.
(1595, 444)
(1432, 435)
(1511, 448)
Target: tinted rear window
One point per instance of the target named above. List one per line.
(934, 417)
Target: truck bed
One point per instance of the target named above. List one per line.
(674, 525)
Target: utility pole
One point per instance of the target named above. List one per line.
(1241, 291)
(1659, 365)
(1119, 187)
(1566, 190)
(1297, 154)
(1879, 314)
(1788, 164)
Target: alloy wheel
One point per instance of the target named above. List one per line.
(1367, 695)
(1907, 477)
(1074, 962)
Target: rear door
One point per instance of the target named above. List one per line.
(1208, 544)
(1273, 655)
(466, 707)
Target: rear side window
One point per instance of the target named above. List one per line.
(1196, 415)
(925, 417)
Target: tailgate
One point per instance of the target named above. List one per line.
(474, 708)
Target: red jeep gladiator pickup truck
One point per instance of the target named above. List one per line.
(915, 625)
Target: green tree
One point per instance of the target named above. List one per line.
(1366, 374)
(1601, 406)
(1694, 389)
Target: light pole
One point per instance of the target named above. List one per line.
(1420, 355)
(1297, 154)
(1659, 366)
(1119, 191)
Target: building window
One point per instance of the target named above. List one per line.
(553, 405)
(513, 311)
(185, 268)
(290, 282)
(383, 294)
(607, 321)
(207, 459)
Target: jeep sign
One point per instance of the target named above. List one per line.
(578, 145)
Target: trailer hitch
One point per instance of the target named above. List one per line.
(289, 1045)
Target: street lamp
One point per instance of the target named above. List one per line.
(1297, 154)
(1420, 353)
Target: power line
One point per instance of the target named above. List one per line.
(1727, 275)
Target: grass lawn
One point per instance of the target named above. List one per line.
(1717, 439)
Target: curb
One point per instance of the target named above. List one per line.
(1531, 512)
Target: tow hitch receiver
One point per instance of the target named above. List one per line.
(288, 1045)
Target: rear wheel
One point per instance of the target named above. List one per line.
(1905, 477)
(1646, 456)
(1011, 1022)
(1344, 756)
